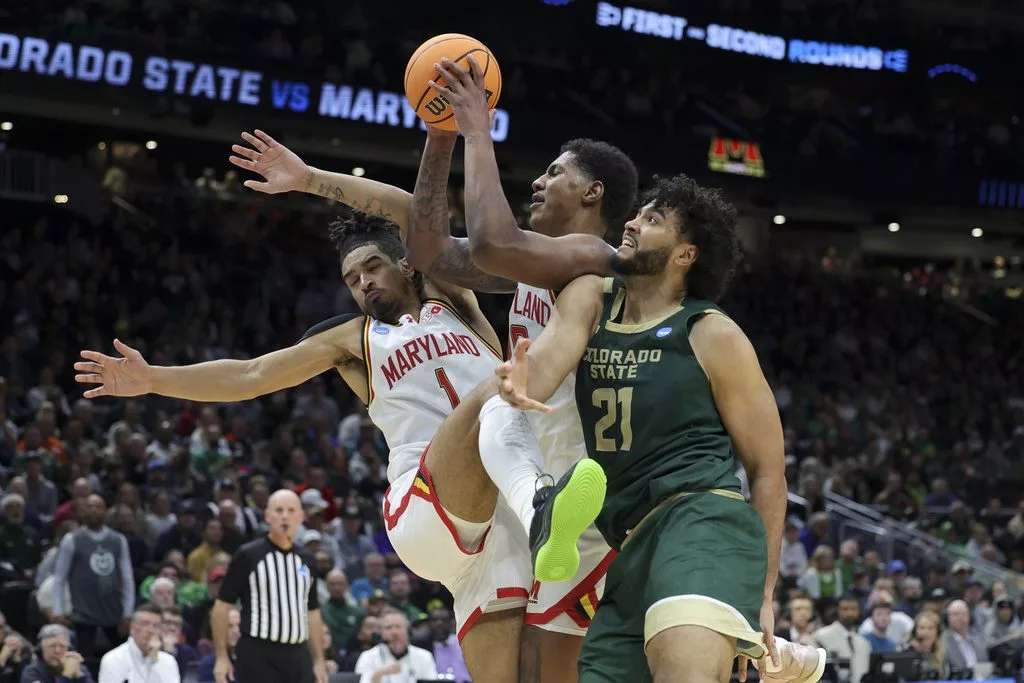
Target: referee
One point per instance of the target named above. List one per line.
(282, 631)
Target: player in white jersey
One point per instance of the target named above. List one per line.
(589, 189)
(416, 357)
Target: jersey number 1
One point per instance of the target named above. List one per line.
(618, 407)
(446, 387)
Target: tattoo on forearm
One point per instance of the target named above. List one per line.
(428, 219)
(309, 181)
(429, 212)
(454, 265)
(332, 191)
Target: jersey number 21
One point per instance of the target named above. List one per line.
(618, 408)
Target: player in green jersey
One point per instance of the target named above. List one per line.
(670, 393)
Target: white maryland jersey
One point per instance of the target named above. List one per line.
(418, 370)
(560, 433)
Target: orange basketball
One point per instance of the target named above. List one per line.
(428, 104)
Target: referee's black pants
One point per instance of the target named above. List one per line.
(264, 661)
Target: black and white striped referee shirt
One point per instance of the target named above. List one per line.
(277, 589)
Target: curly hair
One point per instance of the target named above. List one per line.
(708, 220)
(616, 171)
(355, 229)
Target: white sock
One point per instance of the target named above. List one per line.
(511, 455)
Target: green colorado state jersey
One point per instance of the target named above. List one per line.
(649, 418)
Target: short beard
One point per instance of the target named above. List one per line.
(643, 263)
(382, 309)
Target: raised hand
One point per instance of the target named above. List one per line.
(464, 90)
(514, 375)
(281, 168)
(126, 376)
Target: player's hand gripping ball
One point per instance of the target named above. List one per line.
(430, 105)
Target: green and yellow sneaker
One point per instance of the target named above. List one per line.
(562, 513)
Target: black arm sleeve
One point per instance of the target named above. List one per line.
(309, 560)
(330, 323)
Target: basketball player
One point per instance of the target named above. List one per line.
(692, 584)
(415, 358)
(499, 247)
(586, 192)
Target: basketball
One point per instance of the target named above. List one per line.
(431, 107)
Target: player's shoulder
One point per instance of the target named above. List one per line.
(254, 550)
(339, 324)
(583, 288)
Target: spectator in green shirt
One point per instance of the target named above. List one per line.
(341, 616)
(19, 544)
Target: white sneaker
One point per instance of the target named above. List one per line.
(800, 663)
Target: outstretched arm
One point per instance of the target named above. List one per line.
(218, 381)
(431, 248)
(497, 245)
(559, 348)
(284, 171)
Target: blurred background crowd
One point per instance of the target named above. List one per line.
(897, 370)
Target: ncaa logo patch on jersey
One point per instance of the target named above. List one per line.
(663, 332)
(304, 571)
(381, 330)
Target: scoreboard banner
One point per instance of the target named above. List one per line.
(215, 82)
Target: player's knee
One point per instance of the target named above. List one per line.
(690, 654)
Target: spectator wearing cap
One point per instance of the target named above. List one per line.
(352, 543)
(936, 600)
(373, 577)
(199, 559)
(314, 505)
(793, 558)
(19, 544)
(317, 479)
(962, 572)
(879, 620)
(842, 642)
(182, 536)
(340, 612)
(859, 586)
(377, 602)
(1005, 627)
(964, 650)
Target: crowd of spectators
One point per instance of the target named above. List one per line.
(889, 398)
